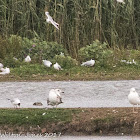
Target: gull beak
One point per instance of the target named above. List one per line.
(19, 104)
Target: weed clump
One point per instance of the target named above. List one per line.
(97, 51)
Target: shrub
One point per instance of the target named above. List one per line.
(15, 43)
(4, 47)
(65, 61)
(97, 51)
(38, 49)
(9, 61)
(9, 48)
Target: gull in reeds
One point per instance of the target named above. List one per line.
(89, 63)
(27, 59)
(50, 20)
(47, 63)
(15, 102)
(1, 65)
(5, 71)
(15, 58)
(57, 66)
(134, 98)
(54, 97)
(44, 113)
(61, 54)
(121, 1)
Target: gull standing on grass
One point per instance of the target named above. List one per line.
(15, 102)
(50, 20)
(134, 98)
(88, 63)
(54, 97)
(5, 71)
(121, 1)
(28, 59)
(57, 66)
(47, 63)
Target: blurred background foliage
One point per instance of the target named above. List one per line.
(89, 29)
(81, 22)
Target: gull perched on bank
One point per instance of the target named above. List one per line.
(121, 1)
(1, 65)
(15, 102)
(57, 66)
(5, 71)
(50, 20)
(47, 63)
(27, 59)
(134, 98)
(89, 63)
(54, 97)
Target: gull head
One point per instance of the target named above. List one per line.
(18, 104)
(46, 13)
(132, 90)
(59, 91)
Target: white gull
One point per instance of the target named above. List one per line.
(5, 71)
(27, 59)
(15, 102)
(88, 63)
(47, 63)
(134, 98)
(57, 66)
(54, 97)
(50, 20)
(121, 1)
(1, 65)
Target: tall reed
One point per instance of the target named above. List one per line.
(81, 21)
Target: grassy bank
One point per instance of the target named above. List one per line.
(38, 72)
(110, 64)
(79, 121)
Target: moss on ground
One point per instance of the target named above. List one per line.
(35, 116)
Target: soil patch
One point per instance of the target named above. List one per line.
(78, 121)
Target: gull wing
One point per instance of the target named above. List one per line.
(52, 21)
(54, 24)
(59, 97)
(48, 16)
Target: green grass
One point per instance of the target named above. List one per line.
(40, 72)
(34, 116)
(108, 69)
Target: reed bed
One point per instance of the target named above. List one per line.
(81, 22)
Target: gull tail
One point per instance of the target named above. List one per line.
(83, 64)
